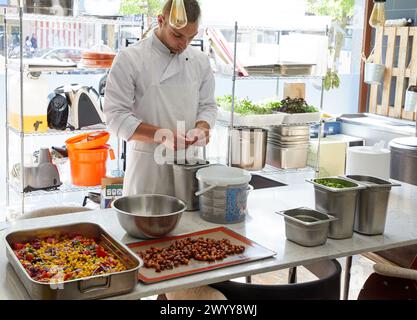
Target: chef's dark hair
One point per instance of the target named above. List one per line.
(192, 7)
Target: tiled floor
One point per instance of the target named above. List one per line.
(360, 271)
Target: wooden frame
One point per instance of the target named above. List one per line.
(406, 68)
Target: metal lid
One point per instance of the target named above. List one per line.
(408, 143)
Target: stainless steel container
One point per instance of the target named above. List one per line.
(273, 137)
(291, 130)
(86, 288)
(340, 203)
(371, 213)
(186, 183)
(287, 157)
(306, 227)
(150, 215)
(249, 148)
(404, 159)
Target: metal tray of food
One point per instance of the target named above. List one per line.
(91, 287)
(149, 273)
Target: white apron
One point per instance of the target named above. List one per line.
(162, 105)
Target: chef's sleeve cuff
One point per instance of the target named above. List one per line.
(128, 127)
(209, 118)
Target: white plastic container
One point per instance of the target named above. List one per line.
(224, 192)
(35, 102)
(368, 161)
(299, 118)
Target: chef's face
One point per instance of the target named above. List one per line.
(176, 40)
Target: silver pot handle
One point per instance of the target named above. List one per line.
(199, 193)
(85, 289)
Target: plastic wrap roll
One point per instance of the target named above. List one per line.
(368, 161)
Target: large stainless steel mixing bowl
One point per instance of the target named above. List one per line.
(149, 216)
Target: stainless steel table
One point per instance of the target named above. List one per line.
(262, 226)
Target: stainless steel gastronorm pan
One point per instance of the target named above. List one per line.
(371, 213)
(341, 203)
(93, 287)
(291, 130)
(306, 227)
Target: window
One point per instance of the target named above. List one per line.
(296, 31)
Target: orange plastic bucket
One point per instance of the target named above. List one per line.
(88, 167)
(88, 156)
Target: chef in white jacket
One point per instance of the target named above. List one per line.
(160, 83)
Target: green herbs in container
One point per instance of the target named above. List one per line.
(243, 106)
(338, 197)
(297, 105)
(335, 183)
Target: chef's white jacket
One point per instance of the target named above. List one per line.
(130, 77)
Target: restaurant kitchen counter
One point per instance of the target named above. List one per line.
(262, 225)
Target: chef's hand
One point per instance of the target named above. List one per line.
(200, 135)
(175, 141)
(152, 134)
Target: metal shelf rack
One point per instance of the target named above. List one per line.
(64, 188)
(270, 170)
(275, 77)
(83, 19)
(15, 20)
(51, 132)
(297, 29)
(236, 78)
(30, 69)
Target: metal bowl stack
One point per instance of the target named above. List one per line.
(288, 146)
(149, 216)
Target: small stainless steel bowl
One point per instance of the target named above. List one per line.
(149, 216)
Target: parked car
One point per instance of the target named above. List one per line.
(60, 54)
